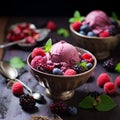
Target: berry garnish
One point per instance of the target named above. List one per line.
(76, 25)
(69, 72)
(57, 71)
(87, 57)
(104, 34)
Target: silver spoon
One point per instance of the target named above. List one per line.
(11, 73)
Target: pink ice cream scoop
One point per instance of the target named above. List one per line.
(64, 52)
(98, 21)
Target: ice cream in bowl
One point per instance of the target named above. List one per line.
(61, 68)
(96, 32)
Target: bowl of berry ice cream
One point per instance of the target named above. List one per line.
(97, 32)
(61, 69)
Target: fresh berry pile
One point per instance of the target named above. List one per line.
(22, 30)
(85, 29)
(39, 61)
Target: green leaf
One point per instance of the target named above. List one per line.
(87, 102)
(117, 68)
(48, 45)
(114, 16)
(76, 17)
(16, 62)
(106, 103)
(82, 64)
(63, 32)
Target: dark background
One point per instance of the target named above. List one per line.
(56, 7)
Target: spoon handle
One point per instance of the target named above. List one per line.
(12, 43)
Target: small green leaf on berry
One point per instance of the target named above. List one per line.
(87, 102)
(106, 103)
(48, 45)
(63, 32)
(117, 68)
(17, 62)
(76, 17)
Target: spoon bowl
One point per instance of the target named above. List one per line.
(11, 73)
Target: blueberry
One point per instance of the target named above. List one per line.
(114, 22)
(92, 34)
(82, 32)
(89, 65)
(57, 71)
(86, 28)
(72, 110)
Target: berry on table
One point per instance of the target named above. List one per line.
(51, 25)
(117, 81)
(17, 89)
(102, 79)
(109, 88)
(72, 110)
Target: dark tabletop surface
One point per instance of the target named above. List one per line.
(9, 104)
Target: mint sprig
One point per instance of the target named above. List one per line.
(102, 103)
(117, 68)
(114, 16)
(63, 32)
(76, 17)
(48, 45)
(17, 62)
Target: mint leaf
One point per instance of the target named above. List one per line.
(16, 62)
(76, 17)
(117, 68)
(106, 103)
(87, 102)
(63, 32)
(114, 16)
(82, 64)
(48, 45)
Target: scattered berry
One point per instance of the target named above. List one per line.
(58, 107)
(51, 25)
(109, 88)
(69, 72)
(17, 89)
(104, 34)
(27, 102)
(117, 81)
(72, 110)
(102, 79)
(76, 25)
(37, 51)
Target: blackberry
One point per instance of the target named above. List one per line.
(79, 69)
(113, 31)
(58, 107)
(27, 102)
(111, 63)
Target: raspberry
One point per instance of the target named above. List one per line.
(76, 26)
(87, 57)
(104, 34)
(17, 89)
(102, 79)
(109, 88)
(51, 25)
(30, 39)
(69, 72)
(37, 51)
(117, 81)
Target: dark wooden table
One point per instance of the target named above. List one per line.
(9, 104)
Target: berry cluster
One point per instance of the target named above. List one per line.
(61, 107)
(22, 31)
(85, 29)
(104, 81)
(39, 62)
